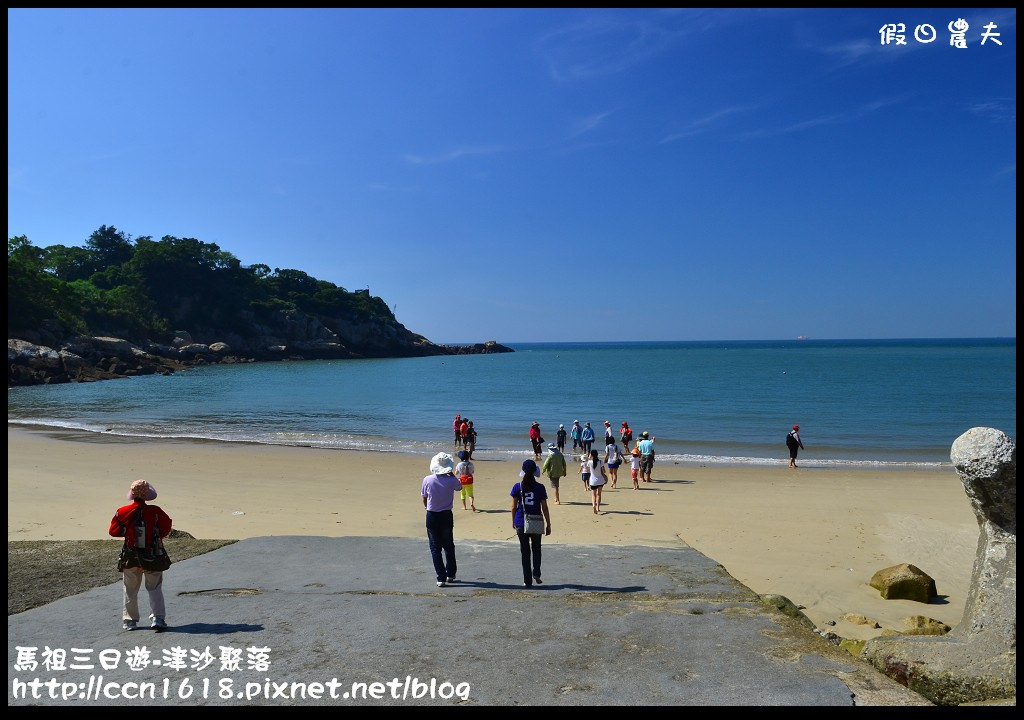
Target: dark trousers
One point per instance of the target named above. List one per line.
(441, 535)
(525, 543)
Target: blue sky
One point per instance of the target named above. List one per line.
(546, 175)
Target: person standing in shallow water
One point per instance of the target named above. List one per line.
(536, 440)
(626, 435)
(795, 444)
(560, 438)
(576, 433)
(588, 438)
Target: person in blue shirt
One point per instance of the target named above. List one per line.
(576, 433)
(646, 448)
(588, 438)
(532, 497)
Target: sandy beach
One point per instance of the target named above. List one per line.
(813, 535)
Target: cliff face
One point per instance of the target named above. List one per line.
(47, 356)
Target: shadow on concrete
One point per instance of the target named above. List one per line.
(563, 586)
(214, 628)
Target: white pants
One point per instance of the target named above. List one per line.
(154, 586)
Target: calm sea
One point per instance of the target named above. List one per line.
(885, 403)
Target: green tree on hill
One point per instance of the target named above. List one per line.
(141, 289)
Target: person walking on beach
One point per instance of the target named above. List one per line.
(626, 435)
(609, 438)
(634, 467)
(794, 443)
(464, 433)
(529, 497)
(646, 448)
(143, 528)
(472, 439)
(457, 427)
(554, 468)
(536, 440)
(560, 438)
(438, 493)
(464, 472)
(588, 438)
(576, 433)
(585, 472)
(597, 479)
(612, 459)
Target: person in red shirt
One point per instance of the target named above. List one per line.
(457, 427)
(143, 526)
(536, 439)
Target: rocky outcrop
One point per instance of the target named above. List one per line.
(977, 661)
(478, 349)
(82, 359)
(904, 582)
(288, 335)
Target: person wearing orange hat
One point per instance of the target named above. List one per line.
(794, 443)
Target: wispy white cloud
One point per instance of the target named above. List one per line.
(454, 154)
(615, 41)
(604, 45)
(832, 119)
(998, 110)
(703, 124)
(585, 125)
(1008, 170)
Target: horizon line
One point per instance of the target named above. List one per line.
(764, 340)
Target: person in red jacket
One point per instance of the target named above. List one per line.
(143, 526)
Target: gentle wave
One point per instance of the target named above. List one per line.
(382, 444)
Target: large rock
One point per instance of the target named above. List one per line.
(921, 625)
(36, 357)
(904, 582)
(977, 661)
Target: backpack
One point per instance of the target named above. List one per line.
(147, 547)
(790, 440)
(629, 434)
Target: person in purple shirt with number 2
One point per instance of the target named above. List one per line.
(531, 496)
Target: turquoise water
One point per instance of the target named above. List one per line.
(874, 403)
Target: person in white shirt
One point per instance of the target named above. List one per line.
(595, 467)
(612, 459)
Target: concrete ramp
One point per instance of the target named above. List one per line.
(359, 620)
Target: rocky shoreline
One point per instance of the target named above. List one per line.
(88, 359)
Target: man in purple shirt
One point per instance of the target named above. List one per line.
(438, 493)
